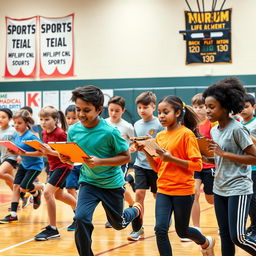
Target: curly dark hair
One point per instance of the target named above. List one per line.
(229, 92)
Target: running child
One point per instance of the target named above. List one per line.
(49, 118)
(116, 108)
(249, 121)
(7, 160)
(145, 177)
(29, 168)
(233, 153)
(178, 158)
(101, 178)
(206, 175)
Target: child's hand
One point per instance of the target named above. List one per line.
(45, 149)
(92, 162)
(65, 159)
(137, 146)
(165, 155)
(214, 147)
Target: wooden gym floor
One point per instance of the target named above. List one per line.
(17, 238)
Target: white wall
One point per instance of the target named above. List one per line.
(137, 38)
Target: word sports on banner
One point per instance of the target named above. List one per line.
(57, 46)
(20, 47)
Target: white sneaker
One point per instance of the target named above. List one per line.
(187, 239)
(209, 250)
(135, 236)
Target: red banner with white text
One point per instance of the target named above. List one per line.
(57, 46)
(20, 47)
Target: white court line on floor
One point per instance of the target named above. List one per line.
(24, 242)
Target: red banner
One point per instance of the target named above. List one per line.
(20, 47)
(57, 46)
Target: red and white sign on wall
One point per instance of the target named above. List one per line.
(34, 100)
(20, 47)
(57, 46)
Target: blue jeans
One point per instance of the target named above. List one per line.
(232, 213)
(181, 206)
(112, 201)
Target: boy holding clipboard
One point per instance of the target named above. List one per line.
(101, 178)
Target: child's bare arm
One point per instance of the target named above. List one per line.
(120, 159)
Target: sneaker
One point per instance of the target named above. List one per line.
(135, 236)
(209, 250)
(138, 221)
(9, 219)
(108, 225)
(72, 227)
(184, 239)
(25, 200)
(130, 178)
(37, 200)
(48, 233)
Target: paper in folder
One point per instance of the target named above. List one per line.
(71, 149)
(149, 143)
(203, 144)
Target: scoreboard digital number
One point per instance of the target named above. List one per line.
(208, 37)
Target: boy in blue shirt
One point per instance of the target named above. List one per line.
(145, 177)
(101, 178)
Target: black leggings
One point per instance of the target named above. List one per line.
(181, 206)
(232, 213)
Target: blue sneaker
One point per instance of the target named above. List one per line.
(72, 227)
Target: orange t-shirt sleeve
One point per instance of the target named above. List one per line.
(195, 159)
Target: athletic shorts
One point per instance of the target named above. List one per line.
(25, 178)
(73, 177)
(12, 162)
(207, 178)
(145, 179)
(58, 177)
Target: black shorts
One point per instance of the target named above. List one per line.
(12, 162)
(25, 178)
(207, 178)
(145, 179)
(125, 168)
(57, 178)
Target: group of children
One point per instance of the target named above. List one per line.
(174, 176)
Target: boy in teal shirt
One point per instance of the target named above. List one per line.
(101, 178)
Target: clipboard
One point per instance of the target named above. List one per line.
(203, 144)
(10, 145)
(33, 143)
(149, 144)
(71, 149)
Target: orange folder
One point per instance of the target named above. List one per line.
(203, 144)
(33, 143)
(10, 145)
(70, 149)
